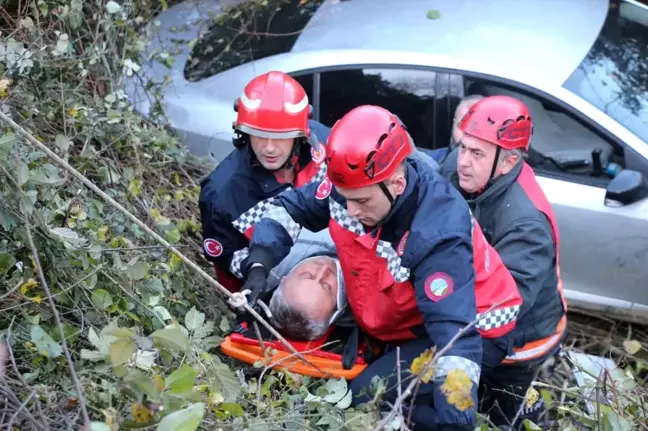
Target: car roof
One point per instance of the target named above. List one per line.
(522, 36)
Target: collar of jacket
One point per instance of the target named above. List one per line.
(264, 177)
(406, 202)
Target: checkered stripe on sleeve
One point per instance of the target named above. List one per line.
(445, 364)
(237, 259)
(253, 216)
(496, 318)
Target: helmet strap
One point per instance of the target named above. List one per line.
(387, 193)
(495, 163)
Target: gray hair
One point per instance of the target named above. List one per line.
(508, 153)
(468, 102)
(292, 322)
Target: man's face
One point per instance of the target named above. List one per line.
(370, 204)
(475, 163)
(312, 286)
(271, 153)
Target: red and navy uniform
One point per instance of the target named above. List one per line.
(415, 270)
(234, 197)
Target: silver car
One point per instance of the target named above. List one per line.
(579, 65)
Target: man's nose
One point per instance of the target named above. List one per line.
(320, 273)
(463, 160)
(270, 145)
(353, 209)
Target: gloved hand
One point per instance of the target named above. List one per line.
(253, 287)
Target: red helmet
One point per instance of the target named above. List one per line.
(501, 120)
(273, 105)
(366, 146)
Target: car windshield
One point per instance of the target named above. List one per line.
(614, 74)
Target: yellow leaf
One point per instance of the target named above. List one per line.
(73, 112)
(175, 263)
(28, 285)
(532, 396)
(419, 364)
(36, 299)
(102, 233)
(134, 187)
(178, 195)
(140, 413)
(632, 346)
(458, 389)
(176, 179)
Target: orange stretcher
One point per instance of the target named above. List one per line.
(324, 364)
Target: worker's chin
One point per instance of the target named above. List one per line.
(467, 184)
(368, 221)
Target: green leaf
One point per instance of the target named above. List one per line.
(182, 379)
(7, 261)
(194, 319)
(99, 426)
(530, 426)
(138, 271)
(112, 7)
(102, 299)
(224, 380)
(183, 420)
(172, 338)
(173, 235)
(23, 173)
(44, 343)
(613, 422)
(121, 350)
(232, 408)
(162, 313)
(62, 142)
(433, 14)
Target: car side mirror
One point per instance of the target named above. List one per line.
(626, 188)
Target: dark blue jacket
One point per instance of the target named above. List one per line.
(438, 248)
(233, 198)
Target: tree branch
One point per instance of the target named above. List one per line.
(45, 286)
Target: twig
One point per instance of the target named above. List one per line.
(13, 289)
(398, 384)
(399, 401)
(22, 406)
(280, 361)
(40, 146)
(44, 285)
(144, 247)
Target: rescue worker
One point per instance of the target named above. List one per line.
(275, 149)
(405, 239)
(517, 219)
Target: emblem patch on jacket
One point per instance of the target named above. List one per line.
(324, 189)
(438, 286)
(212, 247)
(318, 155)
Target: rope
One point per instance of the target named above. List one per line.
(40, 146)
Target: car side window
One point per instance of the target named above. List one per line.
(561, 144)
(244, 33)
(306, 81)
(424, 100)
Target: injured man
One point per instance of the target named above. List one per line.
(308, 289)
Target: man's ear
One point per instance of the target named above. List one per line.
(509, 163)
(398, 183)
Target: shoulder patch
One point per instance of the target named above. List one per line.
(318, 155)
(401, 245)
(324, 189)
(438, 286)
(212, 247)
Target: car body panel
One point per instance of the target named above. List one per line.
(495, 33)
(602, 248)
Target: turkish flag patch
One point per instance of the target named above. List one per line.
(212, 247)
(438, 286)
(324, 189)
(401, 245)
